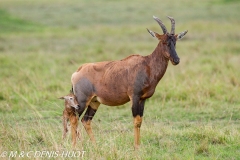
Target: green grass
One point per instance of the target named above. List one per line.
(194, 113)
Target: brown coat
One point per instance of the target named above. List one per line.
(132, 79)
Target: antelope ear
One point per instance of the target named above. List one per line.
(62, 97)
(160, 37)
(156, 35)
(181, 35)
(151, 32)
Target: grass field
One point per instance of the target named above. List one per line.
(194, 113)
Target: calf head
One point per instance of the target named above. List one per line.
(70, 101)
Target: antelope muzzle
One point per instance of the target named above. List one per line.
(176, 61)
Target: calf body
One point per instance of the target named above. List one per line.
(69, 114)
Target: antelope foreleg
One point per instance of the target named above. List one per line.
(137, 112)
(137, 125)
(86, 121)
(88, 128)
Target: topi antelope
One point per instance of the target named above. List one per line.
(132, 79)
(69, 114)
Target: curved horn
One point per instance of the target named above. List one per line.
(173, 25)
(164, 29)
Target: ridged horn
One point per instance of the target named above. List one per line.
(173, 25)
(164, 29)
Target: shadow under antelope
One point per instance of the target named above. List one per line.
(132, 79)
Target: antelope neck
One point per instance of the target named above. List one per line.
(158, 62)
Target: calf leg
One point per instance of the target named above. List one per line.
(137, 112)
(64, 120)
(87, 118)
(74, 125)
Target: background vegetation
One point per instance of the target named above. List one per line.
(194, 113)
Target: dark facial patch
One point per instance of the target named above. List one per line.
(171, 38)
(171, 46)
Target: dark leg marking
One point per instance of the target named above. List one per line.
(137, 112)
(89, 114)
(138, 107)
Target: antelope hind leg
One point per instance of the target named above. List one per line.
(87, 119)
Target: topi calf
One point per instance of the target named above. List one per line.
(69, 114)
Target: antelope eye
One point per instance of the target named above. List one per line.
(70, 98)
